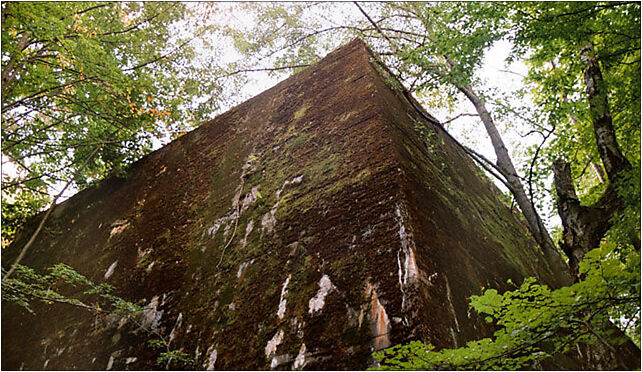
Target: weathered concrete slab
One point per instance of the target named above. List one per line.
(303, 228)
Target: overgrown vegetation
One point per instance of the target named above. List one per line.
(536, 323)
(94, 82)
(62, 284)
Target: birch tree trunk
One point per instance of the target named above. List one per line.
(584, 226)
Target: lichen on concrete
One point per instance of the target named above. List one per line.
(110, 270)
(283, 300)
(299, 361)
(318, 301)
(270, 348)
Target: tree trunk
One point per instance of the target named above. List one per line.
(10, 71)
(506, 167)
(607, 146)
(584, 226)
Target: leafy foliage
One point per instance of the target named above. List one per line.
(28, 285)
(15, 214)
(551, 39)
(167, 356)
(79, 76)
(536, 322)
(82, 79)
(64, 285)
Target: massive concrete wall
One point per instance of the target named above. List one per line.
(304, 228)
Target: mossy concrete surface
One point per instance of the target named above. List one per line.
(302, 229)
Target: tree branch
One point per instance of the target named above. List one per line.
(43, 91)
(9, 71)
(530, 170)
(607, 146)
(457, 117)
(46, 216)
(261, 69)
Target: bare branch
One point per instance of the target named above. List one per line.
(46, 216)
(457, 117)
(261, 69)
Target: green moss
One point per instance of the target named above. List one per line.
(253, 180)
(301, 112)
(303, 286)
(362, 176)
(227, 295)
(144, 261)
(446, 184)
(392, 82)
(318, 170)
(300, 140)
(52, 230)
(347, 116)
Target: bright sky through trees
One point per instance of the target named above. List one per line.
(494, 73)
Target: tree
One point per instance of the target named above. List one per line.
(582, 40)
(77, 77)
(87, 88)
(582, 95)
(607, 38)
